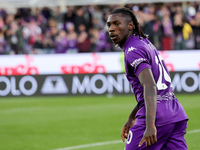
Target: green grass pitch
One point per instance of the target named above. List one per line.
(49, 123)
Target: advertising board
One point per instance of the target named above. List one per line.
(86, 63)
(88, 73)
(87, 84)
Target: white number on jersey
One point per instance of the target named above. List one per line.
(130, 137)
(160, 85)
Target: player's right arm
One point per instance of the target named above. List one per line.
(130, 122)
(150, 97)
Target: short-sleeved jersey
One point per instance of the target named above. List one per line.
(140, 54)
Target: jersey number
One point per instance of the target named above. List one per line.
(162, 70)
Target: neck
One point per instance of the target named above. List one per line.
(121, 45)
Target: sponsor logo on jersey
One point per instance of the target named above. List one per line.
(136, 62)
(131, 49)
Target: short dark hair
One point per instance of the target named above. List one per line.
(127, 12)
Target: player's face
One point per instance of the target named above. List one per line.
(118, 28)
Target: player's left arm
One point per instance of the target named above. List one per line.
(150, 97)
(130, 122)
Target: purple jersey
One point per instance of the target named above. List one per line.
(141, 54)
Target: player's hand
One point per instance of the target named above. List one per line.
(126, 128)
(150, 136)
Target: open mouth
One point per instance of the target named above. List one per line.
(113, 37)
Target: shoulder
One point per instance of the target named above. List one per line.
(137, 43)
(135, 50)
(137, 53)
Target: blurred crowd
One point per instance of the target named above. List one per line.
(79, 29)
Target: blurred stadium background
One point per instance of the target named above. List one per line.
(62, 82)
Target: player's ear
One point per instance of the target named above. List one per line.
(131, 26)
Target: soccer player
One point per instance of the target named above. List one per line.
(158, 121)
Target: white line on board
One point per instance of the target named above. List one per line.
(108, 142)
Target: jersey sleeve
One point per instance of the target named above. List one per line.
(138, 60)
